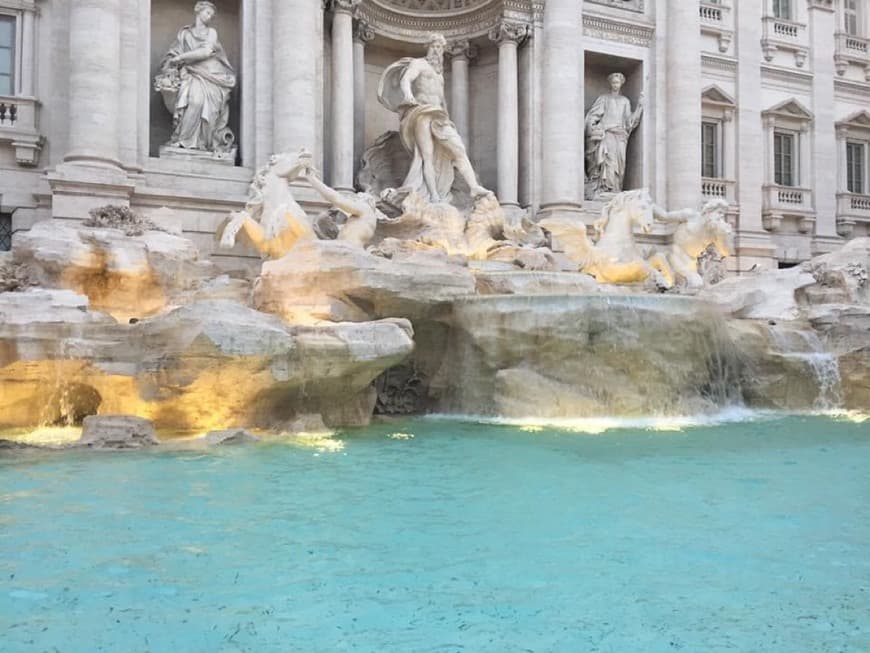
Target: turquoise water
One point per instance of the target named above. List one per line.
(752, 536)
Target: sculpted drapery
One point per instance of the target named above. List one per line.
(196, 80)
(609, 124)
(414, 88)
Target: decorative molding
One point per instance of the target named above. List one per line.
(362, 32)
(346, 6)
(622, 31)
(413, 24)
(636, 6)
(848, 89)
(509, 32)
(716, 63)
(786, 78)
(822, 5)
(462, 49)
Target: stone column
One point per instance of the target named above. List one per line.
(342, 93)
(28, 59)
(825, 162)
(754, 141)
(508, 36)
(94, 82)
(362, 34)
(264, 145)
(684, 104)
(128, 128)
(297, 27)
(461, 53)
(562, 92)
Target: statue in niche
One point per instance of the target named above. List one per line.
(609, 124)
(196, 80)
(414, 88)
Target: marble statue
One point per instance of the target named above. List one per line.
(616, 257)
(695, 233)
(360, 208)
(414, 88)
(609, 124)
(196, 80)
(272, 220)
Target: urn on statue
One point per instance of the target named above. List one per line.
(195, 81)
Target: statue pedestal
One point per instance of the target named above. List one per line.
(184, 154)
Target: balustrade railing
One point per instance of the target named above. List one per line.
(711, 13)
(8, 113)
(18, 127)
(712, 188)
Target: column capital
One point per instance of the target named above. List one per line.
(462, 49)
(362, 32)
(509, 32)
(342, 6)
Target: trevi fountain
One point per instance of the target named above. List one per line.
(418, 369)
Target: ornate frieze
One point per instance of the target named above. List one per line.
(611, 29)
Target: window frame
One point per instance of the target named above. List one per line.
(859, 188)
(776, 9)
(8, 15)
(856, 16)
(717, 151)
(793, 169)
(5, 241)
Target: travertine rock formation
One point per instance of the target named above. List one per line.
(126, 276)
(209, 365)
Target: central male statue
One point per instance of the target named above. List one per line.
(414, 88)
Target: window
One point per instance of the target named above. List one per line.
(5, 232)
(710, 150)
(850, 17)
(782, 9)
(855, 167)
(7, 55)
(784, 159)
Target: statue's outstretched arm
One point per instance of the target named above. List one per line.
(672, 217)
(346, 204)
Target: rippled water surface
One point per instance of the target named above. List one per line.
(752, 536)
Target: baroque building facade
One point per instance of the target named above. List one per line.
(762, 103)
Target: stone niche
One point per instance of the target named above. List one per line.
(598, 67)
(169, 16)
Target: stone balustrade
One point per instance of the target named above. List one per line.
(851, 49)
(787, 35)
(717, 19)
(711, 12)
(852, 209)
(725, 189)
(788, 201)
(18, 127)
